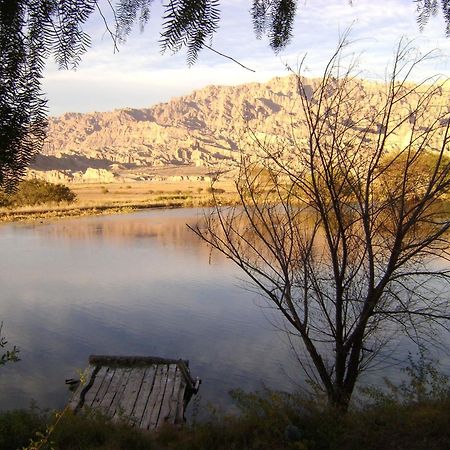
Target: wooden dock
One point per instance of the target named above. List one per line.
(145, 392)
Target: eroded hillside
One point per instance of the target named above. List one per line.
(189, 136)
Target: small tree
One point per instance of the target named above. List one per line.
(342, 227)
(37, 192)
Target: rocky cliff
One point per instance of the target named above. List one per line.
(193, 135)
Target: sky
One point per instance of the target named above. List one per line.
(139, 76)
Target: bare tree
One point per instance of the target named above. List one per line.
(343, 226)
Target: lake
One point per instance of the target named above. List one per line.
(141, 284)
(135, 284)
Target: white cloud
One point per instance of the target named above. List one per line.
(139, 75)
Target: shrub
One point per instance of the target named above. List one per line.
(267, 420)
(19, 426)
(97, 432)
(37, 192)
(5, 199)
(8, 355)
(423, 384)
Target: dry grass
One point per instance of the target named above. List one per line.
(114, 198)
(141, 191)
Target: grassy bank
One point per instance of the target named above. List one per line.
(267, 421)
(115, 198)
(100, 199)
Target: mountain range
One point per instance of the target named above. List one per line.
(190, 136)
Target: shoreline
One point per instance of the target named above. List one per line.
(74, 211)
(96, 199)
(104, 199)
(48, 212)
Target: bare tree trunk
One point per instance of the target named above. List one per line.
(336, 225)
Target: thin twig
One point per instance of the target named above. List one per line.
(113, 35)
(228, 57)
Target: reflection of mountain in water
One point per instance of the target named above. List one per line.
(167, 230)
(128, 284)
(125, 229)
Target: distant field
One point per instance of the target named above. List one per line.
(143, 190)
(113, 198)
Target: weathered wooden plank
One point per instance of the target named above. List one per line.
(180, 402)
(84, 381)
(120, 391)
(104, 387)
(111, 392)
(144, 393)
(174, 401)
(154, 402)
(126, 405)
(92, 392)
(167, 397)
(160, 395)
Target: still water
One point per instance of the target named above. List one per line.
(140, 284)
(136, 284)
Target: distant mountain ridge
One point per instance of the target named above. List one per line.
(194, 134)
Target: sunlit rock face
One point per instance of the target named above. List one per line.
(204, 131)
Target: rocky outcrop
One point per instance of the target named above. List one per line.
(203, 131)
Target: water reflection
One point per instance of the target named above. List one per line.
(136, 284)
(165, 226)
(132, 284)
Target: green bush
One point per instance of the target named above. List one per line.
(8, 355)
(268, 420)
(36, 192)
(423, 384)
(19, 426)
(97, 432)
(414, 417)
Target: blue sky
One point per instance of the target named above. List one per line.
(139, 76)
